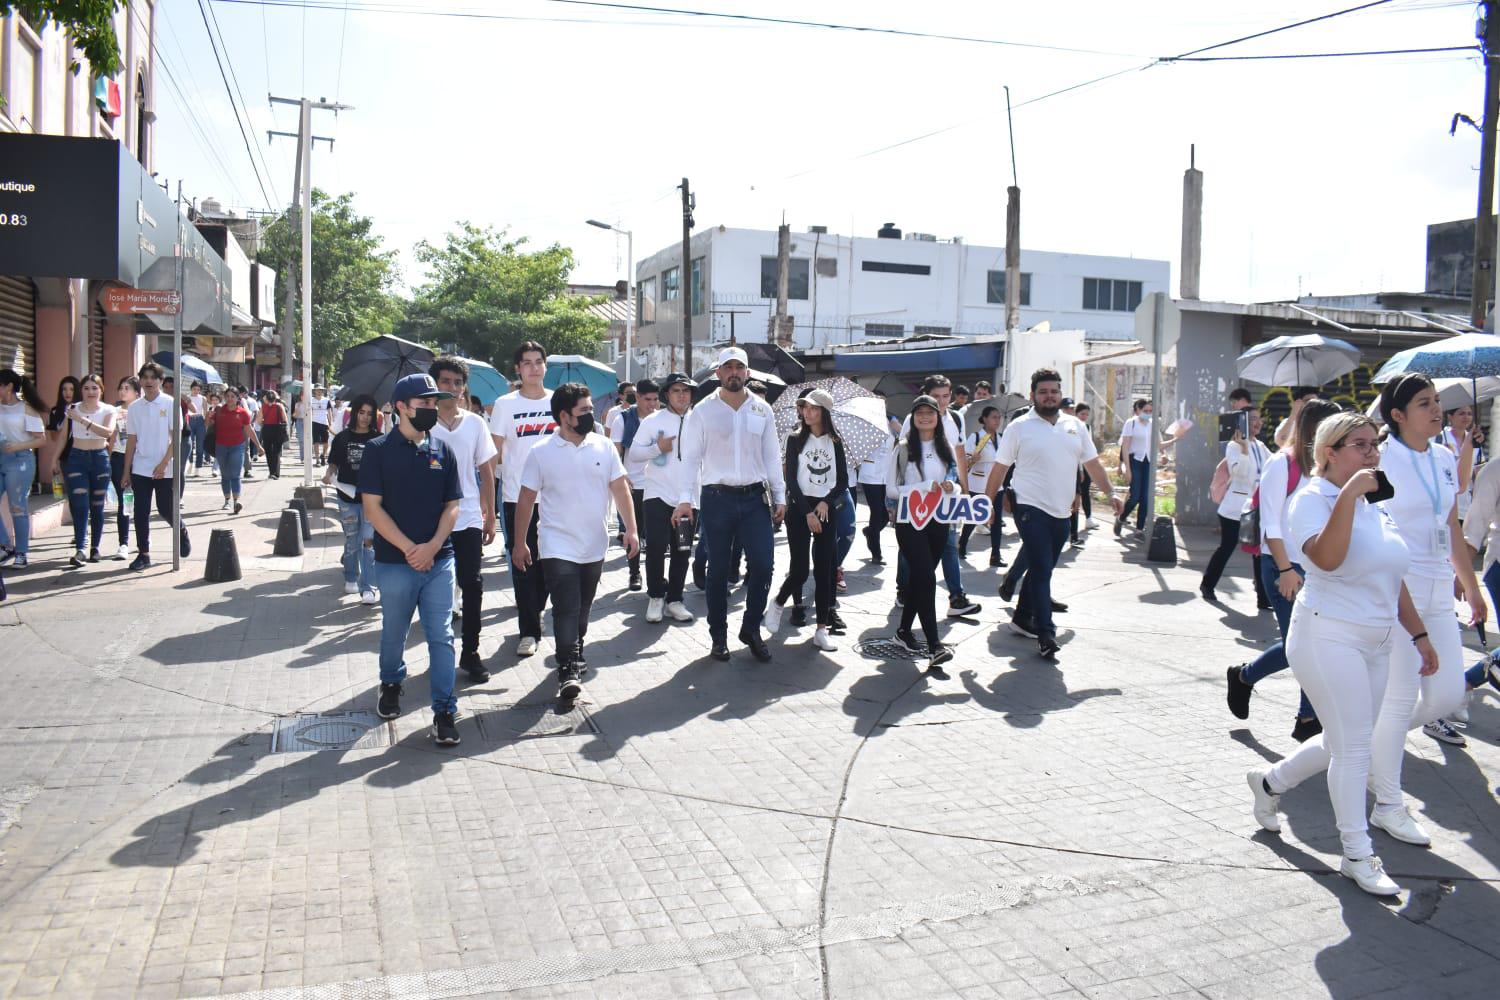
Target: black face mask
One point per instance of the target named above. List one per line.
(630, 398)
(584, 425)
(424, 419)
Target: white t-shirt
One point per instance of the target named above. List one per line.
(1367, 584)
(522, 422)
(981, 460)
(121, 430)
(320, 408)
(198, 403)
(17, 422)
(151, 426)
(1245, 468)
(1136, 436)
(872, 469)
(817, 467)
(1046, 457)
(1426, 485)
(472, 446)
(666, 474)
(931, 469)
(953, 429)
(572, 486)
(635, 467)
(101, 417)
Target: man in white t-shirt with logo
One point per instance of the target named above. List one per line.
(1046, 446)
(574, 473)
(321, 408)
(468, 437)
(149, 448)
(519, 421)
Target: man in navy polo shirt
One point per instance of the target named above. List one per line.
(408, 480)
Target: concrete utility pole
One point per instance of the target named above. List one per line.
(1484, 231)
(304, 162)
(1192, 227)
(783, 278)
(684, 276)
(289, 313)
(1012, 260)
(179, 469)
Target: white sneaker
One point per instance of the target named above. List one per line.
(1369, 874)
(1444, 733)
(1460, 715)
(123, 553)
(369, 597)
(527, 646)
(772, 618)
(823, 641)
(1090, 523)
(1267, 805)
(679, 612)
(1397, 822)
(351, 586)
(653, 609)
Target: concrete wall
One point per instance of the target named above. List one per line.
(1205, 366)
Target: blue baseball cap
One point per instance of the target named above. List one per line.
(418, 386)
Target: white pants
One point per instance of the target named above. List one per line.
(1342, 667)
(1410, 699)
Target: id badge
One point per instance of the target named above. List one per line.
(1440, 535)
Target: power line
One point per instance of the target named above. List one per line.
(244, 105)
(1322, 55)
(1284, 27)
(343, 34)
(223, 76)
(206, 145)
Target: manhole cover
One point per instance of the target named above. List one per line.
(531, 720)
(340, 731)
(888, 649)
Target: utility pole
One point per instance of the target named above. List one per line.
(289, 313)
(684, 276)
(1012, 261)
(1190, 283)
(1488, 30)
(783, 278)
(179, 468)
(304, 162)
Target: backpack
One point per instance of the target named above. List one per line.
(632, 420)
(1219, 488)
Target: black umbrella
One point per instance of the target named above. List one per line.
(375, 366)
(774, 386)
(773, 359)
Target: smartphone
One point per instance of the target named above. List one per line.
(1384, 491)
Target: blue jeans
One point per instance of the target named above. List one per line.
(1042, 539)
(729, 518)
(231, 466)
(1273, 659)
(17, 470)
(1492, 582)
(196, 431)
(1140, 474)
(359, 542)
(403, 591)
(86, 477)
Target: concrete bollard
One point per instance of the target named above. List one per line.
(311, 495)
(289, 534)
(223, 558)
(300, 506)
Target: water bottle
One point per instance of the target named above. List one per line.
(129, 498)
(57, 488)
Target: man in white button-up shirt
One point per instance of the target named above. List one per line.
(729, 445)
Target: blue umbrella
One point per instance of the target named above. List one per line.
(485, 381)
(192, 368)
(599, 377)
(1468, 355)
(1298, 359)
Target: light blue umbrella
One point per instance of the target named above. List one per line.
(485, 381)
(1298, 359)
(192, 368)
(1468, 355)
(599, 377)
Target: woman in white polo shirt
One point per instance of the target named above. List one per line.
(1247, 458)
(1425, 510)
(1342, 632)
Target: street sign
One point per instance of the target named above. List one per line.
(1141, 389)
(1171, 322)
(158, 301)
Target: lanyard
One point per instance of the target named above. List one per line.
(1434, 493)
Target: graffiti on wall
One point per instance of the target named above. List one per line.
(1352, 391)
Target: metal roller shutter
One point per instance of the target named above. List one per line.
(18, 324)
(96, 341)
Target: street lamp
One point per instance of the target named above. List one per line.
(629, 286)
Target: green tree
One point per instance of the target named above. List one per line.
(487, 295)
(351, 275)
(90, 25)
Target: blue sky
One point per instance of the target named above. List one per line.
(1321, 175)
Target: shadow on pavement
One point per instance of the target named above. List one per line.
(1024, 696)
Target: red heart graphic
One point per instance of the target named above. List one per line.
(920, 507)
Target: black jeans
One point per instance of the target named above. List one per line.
(1229, 537)
(660, 551)
(145, 488)
(273, 436)
(824, 564)
(118, 478)
(879, 516)
(1085, 505)
(924, 558)
(637, 501)
(529, 584)
(468, 550)
(1042, 540)
(572, 586)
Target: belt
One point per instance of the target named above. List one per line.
(721, 488)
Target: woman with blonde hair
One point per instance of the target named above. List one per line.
(1342, 632)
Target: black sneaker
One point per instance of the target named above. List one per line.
(77, 559)
(389, 705)
(1023, 625)
(93, 555)
(1007, 590)
(1047, 646)
(720, 650)
(1306, 729)
(141, 561)
(444, 729)
(569, 686)
(959, 605)
(799, 615)
(578, 660)
(756, 644)
(1119, 526)
(940, 655)
(995, 560)
(238, 506)
(187, 547)
(836, 625)
(635, 580)
(474, 667)
(909, 642)
(1238, 692)
(1058, 607)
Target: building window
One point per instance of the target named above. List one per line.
(671, 284)
(941, 331)
(796, 278)
(645, 301)
(883, 331)
(891, 267)
(142, 119)
(1112, 294)
(995, 288)
(23, 98)
(697, 286)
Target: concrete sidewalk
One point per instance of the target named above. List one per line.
(825, 825)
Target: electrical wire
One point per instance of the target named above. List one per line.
(225, 77)
(1284, 27)
(1322, 55)
(343, 34)
(195, 129)
(244, 105)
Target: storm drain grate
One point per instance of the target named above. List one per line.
(338, 731)
(530, 721)
(888, 649)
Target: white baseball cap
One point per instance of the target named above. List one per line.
(729, 354)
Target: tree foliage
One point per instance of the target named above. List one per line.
(90, 25)
(487, 294)
(351, 275)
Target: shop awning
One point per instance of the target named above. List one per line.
(938, 359)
